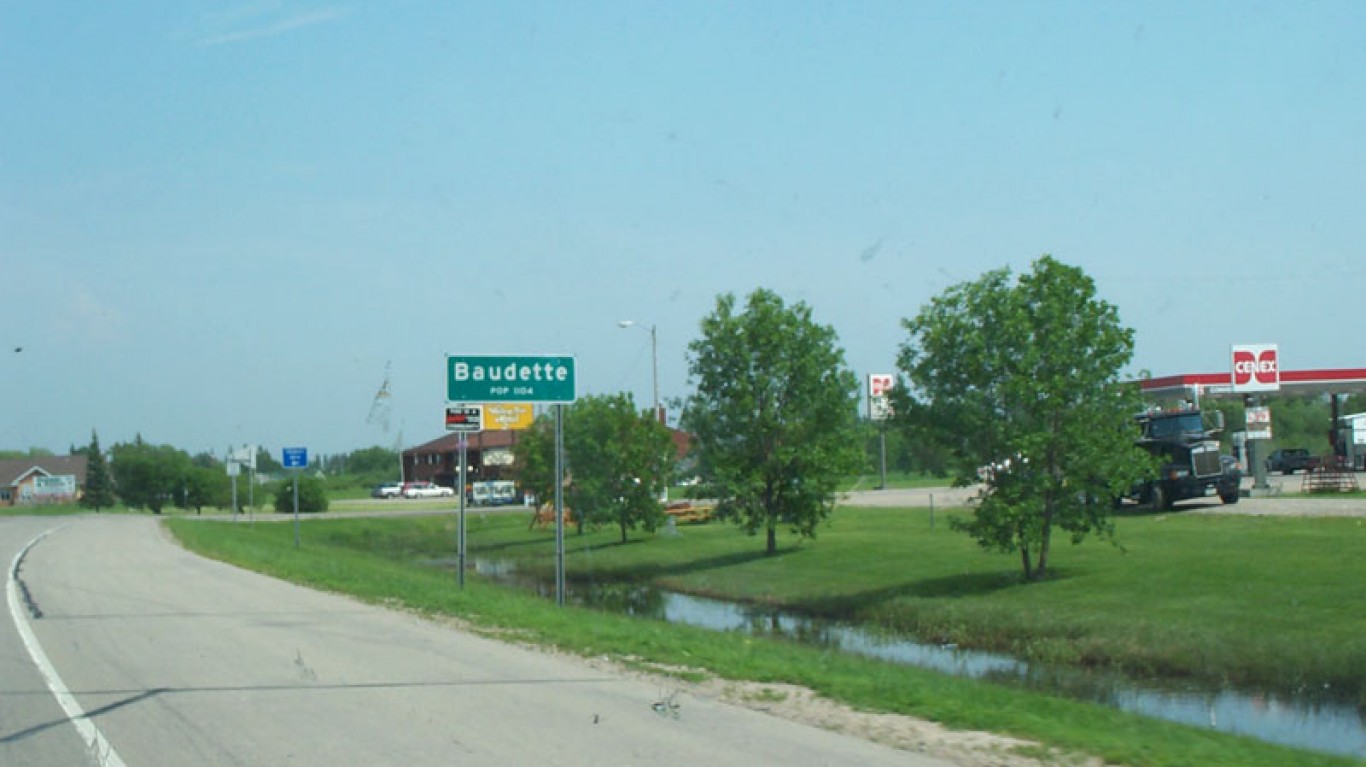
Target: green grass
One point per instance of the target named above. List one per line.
(1233, 592)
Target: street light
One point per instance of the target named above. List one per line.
(654, 364)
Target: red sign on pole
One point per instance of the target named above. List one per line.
(1256, 368)
(879, 384)
(465, 418)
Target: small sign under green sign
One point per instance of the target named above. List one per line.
(481, 378)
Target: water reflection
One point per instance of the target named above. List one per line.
(1310, 721)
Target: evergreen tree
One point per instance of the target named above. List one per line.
(99, 484)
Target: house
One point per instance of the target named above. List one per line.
(488, 455)
(47, 479)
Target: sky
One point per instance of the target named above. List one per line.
(237, 222)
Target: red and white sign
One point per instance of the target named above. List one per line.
(1256, 368)
(1258, 422)
(879, 384)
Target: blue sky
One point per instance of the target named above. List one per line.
(224, 223)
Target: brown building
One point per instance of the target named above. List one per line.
(49, 479)
(488, 455)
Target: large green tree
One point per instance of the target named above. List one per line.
(621, 461)
(534, 454)
(204, 485)
(99, 483)
(1020, 380)
(149, 476)
(774, 414)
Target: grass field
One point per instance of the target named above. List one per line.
(1240, 598)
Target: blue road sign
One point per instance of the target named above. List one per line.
(295, 457)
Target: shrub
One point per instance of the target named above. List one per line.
(312, 496)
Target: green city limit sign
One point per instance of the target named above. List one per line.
(480, 378)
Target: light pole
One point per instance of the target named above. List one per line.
(654, 366)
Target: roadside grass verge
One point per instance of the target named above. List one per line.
(1265, 602)
(378, 560)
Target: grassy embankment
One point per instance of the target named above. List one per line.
(1242, 598)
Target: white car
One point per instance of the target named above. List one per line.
(387, 490)
(426, 490)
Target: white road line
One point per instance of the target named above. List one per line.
(95, 743)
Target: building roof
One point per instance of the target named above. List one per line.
(483, 440)
(1293, 383)
(12, 470)
(494, 439)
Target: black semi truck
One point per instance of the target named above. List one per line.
(1192, 466)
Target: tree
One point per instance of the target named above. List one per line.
(312, 496)
(266, 463)
(148, 475)
(1020, 380)
(373, 465)
(33, 452)
(774, 414)
(534, 454)
(204, 486)
(621, 462)
(99, 485)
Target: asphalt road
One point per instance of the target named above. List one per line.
(1282, 498)
(120, 648)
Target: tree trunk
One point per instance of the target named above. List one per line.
(1042, 569)
(772, 538)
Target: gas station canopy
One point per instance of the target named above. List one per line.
(1294, 383)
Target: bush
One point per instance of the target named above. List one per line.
(312, 496)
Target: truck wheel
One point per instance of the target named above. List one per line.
(1158, 499)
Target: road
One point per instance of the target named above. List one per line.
(1283, 499)
(161, 657)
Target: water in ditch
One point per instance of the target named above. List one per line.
(1313, 719)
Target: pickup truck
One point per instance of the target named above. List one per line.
(1291, 459)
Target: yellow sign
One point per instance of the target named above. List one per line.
(508, 415)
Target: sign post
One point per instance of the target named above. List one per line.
(1256, 369)
(295, 458)
(518, 378)
(465, 419)
(559, 504)
(880, 409)
(234, 469)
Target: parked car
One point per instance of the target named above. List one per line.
(1291, 459)
(426, 490)
(387, 490)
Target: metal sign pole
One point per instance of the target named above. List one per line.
(559, 504)
(461, 491)
(296, 508)
(882, 453)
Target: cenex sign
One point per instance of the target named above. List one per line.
(1256, 368)
(478, 378)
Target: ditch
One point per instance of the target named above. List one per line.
(1310, 719)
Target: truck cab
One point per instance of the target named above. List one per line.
(1192, 466)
